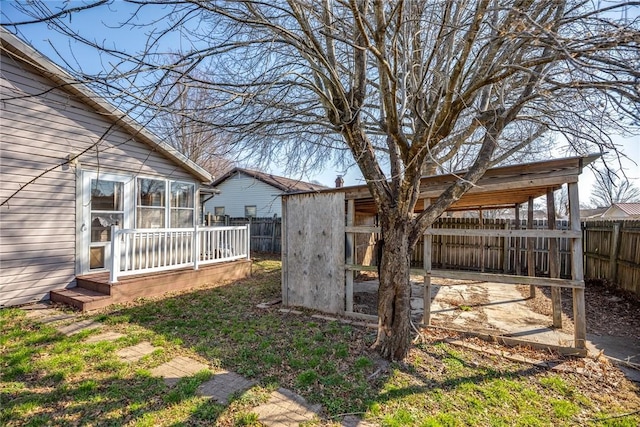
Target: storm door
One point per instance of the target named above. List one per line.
(107, 203)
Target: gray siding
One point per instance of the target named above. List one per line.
(39, 128)
(240, 190)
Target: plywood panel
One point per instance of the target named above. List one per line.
(315, 254)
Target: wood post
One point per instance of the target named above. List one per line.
(284, 248)
(518, 266)
(577, 271)
(426, 264)
(483, 252)
(531, 256)
(613, 252)
(349, 252)
(554, 262)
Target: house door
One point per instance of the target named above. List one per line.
(107, 200)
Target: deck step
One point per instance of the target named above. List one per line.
(81, 298)
(97, 282)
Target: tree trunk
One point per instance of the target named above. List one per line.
(394, 293)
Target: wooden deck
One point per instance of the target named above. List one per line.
(93, 291)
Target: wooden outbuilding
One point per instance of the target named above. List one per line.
(322, 231)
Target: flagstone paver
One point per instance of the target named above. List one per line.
(53, 317)
(136, 352)
(105, 336)
(77, 327)
(286, 409)
(224, 384)
(353, 421)
(177, 368)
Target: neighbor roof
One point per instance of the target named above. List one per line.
(629, 208)
(286, 185)
(20, 50)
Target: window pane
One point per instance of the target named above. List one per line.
(181, 218)
(219, 210)
(150, 217)
(151, 192)
(106, 195)
(101, 226)
(250, 211)
(182, 195)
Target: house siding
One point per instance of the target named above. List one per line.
(241, 190)
(39, 128)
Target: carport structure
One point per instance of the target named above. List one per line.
(321, 230)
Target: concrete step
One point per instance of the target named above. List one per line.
(81, 298)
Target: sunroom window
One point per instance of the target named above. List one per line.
(182, 205)
(150, 203)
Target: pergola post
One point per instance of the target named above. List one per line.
(426, 265)
(531, 256)
(577, 271)
(349, 252)
(518, 266)
(554, 262)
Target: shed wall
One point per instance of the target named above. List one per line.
(39, 128)
(313, 274)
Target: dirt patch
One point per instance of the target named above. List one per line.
(610, 311)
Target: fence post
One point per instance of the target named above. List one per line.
(273, 233)
(613, 252)
(115, 255)
(248, 241)
(577, 269)
(554, 261)
(196, 247)
(531, 256)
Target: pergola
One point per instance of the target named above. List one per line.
(319, 233)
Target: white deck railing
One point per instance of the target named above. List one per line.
(149, 250)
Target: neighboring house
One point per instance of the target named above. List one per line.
(249, 193)
(71, 166)
(595, 213)
(622, 211)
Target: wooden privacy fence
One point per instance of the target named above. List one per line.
(266, 233)
(612, 251)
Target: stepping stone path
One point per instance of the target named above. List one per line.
(105, 336)
(223, 385)
(136, 352)
(283, 409)
(77, 327)
(286, 409)
(178, 368)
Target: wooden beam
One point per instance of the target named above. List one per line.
(426, 264)
(518, 266)
(482, 277)
(554, 262)
(531, 256)
(349, 252)
(284, 247)
(614, 251)
(566, 234)
(577, 271)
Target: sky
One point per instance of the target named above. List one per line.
(99, 25)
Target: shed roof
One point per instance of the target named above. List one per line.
(286, 185)
(629, 208)
(20, 50)
(500, 187)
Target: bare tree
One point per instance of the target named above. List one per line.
(609, 188)
(186, 126)
(396, 87)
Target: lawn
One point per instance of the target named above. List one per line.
(51, 379)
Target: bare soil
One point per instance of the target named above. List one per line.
(610, 310)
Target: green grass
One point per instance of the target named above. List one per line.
(51, 379)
